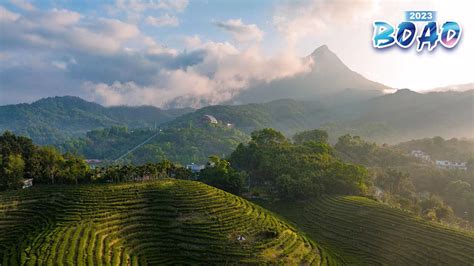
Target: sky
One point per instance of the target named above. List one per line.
(155, 52)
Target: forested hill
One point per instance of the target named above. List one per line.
(289, 116)
(390, 118)
(406, 115)
(52, 120)
(184, 145)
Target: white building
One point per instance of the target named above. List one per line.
(420, 154)
(93, 163)
(209, 119)
(27, 183)
(451, 165)
(195, 168)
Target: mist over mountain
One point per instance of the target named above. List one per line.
(456, 87)
(406, 115)
(329, 77)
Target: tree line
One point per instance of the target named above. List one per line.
(20, 159)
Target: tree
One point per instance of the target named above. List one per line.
(49, 165)
(342, 178)
(457, 188)
(396, 182)
(315, 135)
(220, 174)
(470, 165)
(74, 169)
(14, 167)
(433, 208)
(268, 136)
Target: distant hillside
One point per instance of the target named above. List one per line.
(360, 231)
(406, 115)
(53, 120)
(328, 77)
(178, 144)
(149, 223)
(390, 118)
(457, 150)
(286, 115)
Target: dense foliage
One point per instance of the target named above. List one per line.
(219, 174)
(286, 170)
(456, 150)
(184, 145)
(413, 184)
(20, 159)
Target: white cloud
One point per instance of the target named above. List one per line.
(224, 72)
(297, 19)
(241, 32)
(119, 64)
(192, 42)
(61, 29)
(23, 5)
(7, 15)
(56, 18)
(141, 5)
(116, 29)
(59, 64)
(163, 21)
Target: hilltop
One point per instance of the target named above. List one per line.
(144, 223)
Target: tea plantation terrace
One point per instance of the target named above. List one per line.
(157, 222)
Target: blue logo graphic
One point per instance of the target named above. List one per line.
(405, 34)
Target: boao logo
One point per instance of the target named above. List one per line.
(404, 35)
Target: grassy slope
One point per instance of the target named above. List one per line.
(362, 231)
(143, 223)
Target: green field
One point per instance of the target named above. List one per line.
(158, 222)
(357, 230)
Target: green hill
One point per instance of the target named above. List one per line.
(53, 120)
(158, 222)
(396, 117)
(184, 145)
(363, 231)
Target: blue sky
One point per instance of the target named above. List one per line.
(157, 51)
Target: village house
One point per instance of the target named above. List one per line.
(420, 154)
(93, 163)
(451, 165)
(195, 168)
